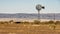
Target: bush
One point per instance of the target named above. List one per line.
(11, 21)
(36, 22)
(46, 22)
(25, 22)
(6, 22)
(17, 22)
(51, 22)
(1, 22)
(57, 22)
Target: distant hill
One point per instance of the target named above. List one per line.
(31, 16)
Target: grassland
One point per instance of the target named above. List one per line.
(36, 27)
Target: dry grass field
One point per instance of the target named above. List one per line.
(26, 28)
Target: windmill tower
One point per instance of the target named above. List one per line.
(38, 8)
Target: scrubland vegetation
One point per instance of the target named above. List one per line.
(50, 23)
(26, 22)
(31, 27)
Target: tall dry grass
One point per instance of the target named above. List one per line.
(51, 23)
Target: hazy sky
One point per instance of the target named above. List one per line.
(28, 6)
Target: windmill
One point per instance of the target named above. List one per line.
(39, 7)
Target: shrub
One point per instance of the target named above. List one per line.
(36, 22)
(51, 22)
(57, 22)
(46, 22)
(17, 22)
(52, 26)
(25, 22)
(1, 22)
(6, 22)
(11, 21)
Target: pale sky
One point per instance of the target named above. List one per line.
(28, 6)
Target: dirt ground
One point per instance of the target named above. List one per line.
(27, 29)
